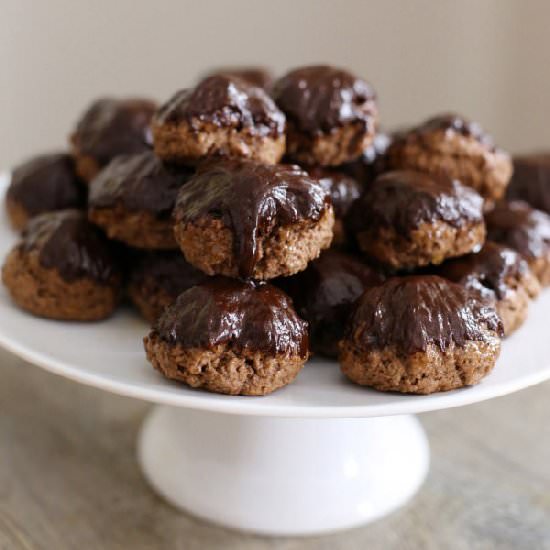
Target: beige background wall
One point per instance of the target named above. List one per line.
(486, 58)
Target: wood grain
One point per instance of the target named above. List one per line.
(69, 478)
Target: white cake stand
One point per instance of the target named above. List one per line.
(319, 455)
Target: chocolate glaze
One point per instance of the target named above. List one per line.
(225, 102)
(139, 182)
(489, 271)
(405, 199)
(318, 99)
(251, 199)
(410, 313)
(244, 315)
(324, 295)
(112, 127)
(167, 271)
(517, 225)
(67, 242)
(45, 183)
(531, 180)
(343, 189)
(256, 76)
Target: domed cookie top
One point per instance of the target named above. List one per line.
(240, 315)
(324, 295)
(43, 184)
(410, 313)
(67, 242)
(111, 127)
(254, 202)
(256, 76)
(531, 180)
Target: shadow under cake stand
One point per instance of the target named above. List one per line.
(317, 456)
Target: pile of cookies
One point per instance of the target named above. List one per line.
(254, 222)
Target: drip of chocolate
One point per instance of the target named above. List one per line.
(252, 200)
(224, 101)
(45, 183)
(241, 315)
(410, 313)
(531, 180)
(318, 99)
(139, 182)
(67, 242)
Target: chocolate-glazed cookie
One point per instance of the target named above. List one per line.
(231, 337)
(157, 279)
(44, 183)
(260, 77)
(108, 128)
(133, 197)
(454, 146)
(331, 114)
(223, 116)
(63, 268)
(531, 180)
(241, 218)
(517, 225)
(324, 295)
(420, 334)
(500, 274)
(410, 219)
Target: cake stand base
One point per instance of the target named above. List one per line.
(283, 476)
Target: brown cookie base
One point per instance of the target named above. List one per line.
(44, 293)
(460, 157)
(150, 302)
(221, 370)
(189, 143)
(137, 229)
(338, 147)
(86, 167)
(208, 245)
(17, 215)
(541, 268)
(422, 372)
(430, 243)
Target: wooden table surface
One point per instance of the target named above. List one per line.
(69, 478)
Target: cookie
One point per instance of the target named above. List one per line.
(344, 190)
(531, 181)
(261, 77)
(500, 274)
(410, 219)
(222, 116)
(420, 334)
(331, 114)
(324, 295)
(517, 225)
(132, 200)
(250, 220)
(63, 268)
(231, 337)
(108, 128)
(372, 161)
(44, 183)
(454, 146)
(157, 279)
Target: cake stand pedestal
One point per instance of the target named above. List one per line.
(283, 476)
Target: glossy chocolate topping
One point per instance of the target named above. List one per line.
(324, 295)
(343, 189)
(67, 242)
(517, 225)
(531, 180)
(46, 183)
(405, 199)
(224, 102)
(252, 200)
(256, 76)
(167, 271)
(490, 271)
(112, 127)
(319, 99)
(243, 315)
(139, 182)
(410, 313)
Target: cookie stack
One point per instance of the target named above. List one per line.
(255, 221)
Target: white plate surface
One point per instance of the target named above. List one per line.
(109, 355)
